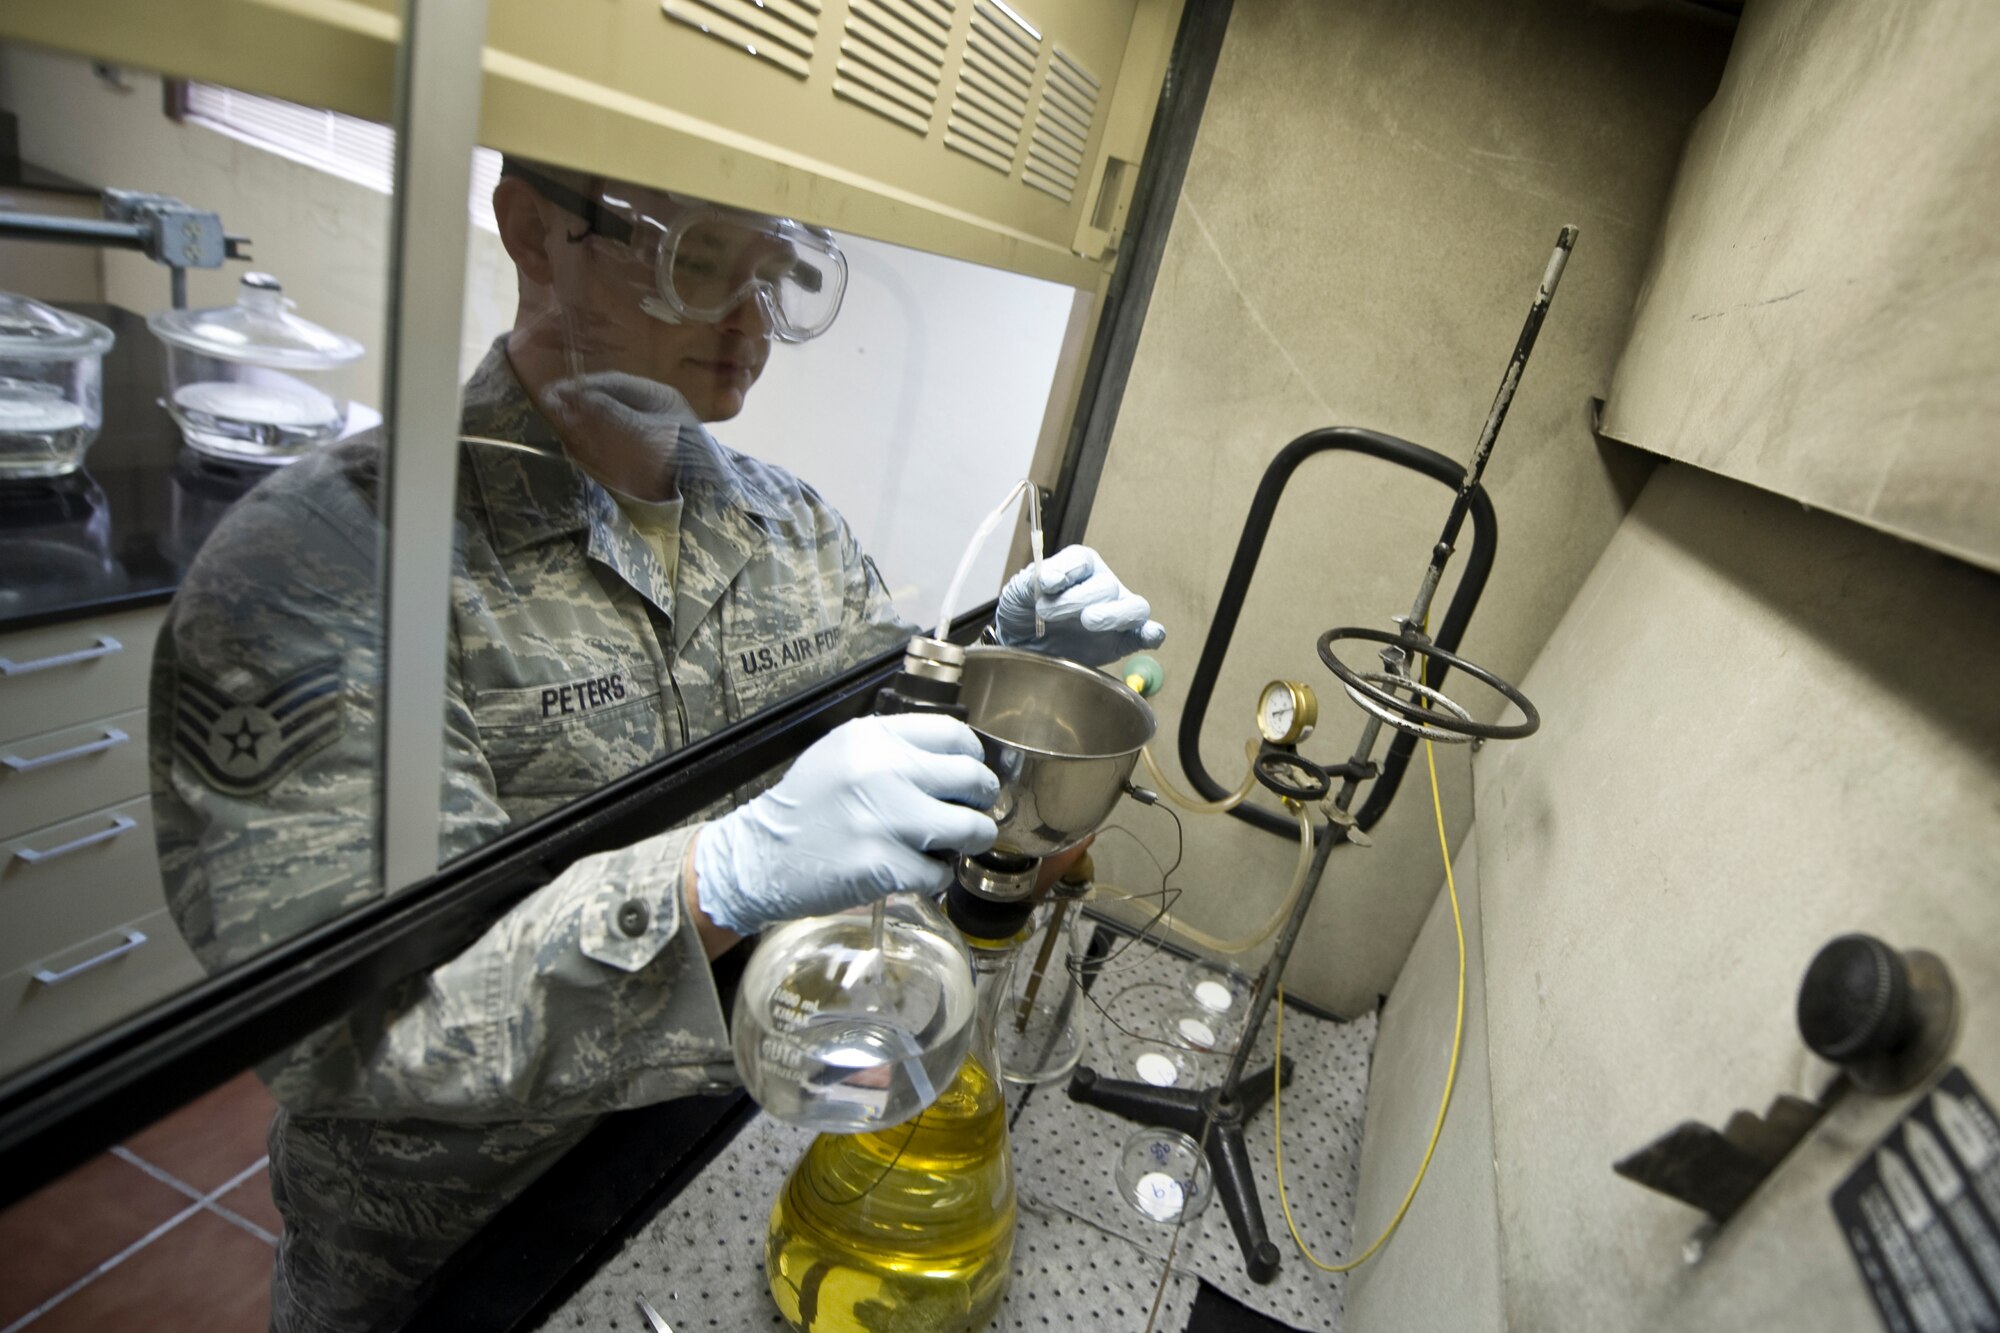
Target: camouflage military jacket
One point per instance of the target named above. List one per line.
(571, 661)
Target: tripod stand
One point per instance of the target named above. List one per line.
(1415, 707)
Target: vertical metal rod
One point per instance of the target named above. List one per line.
(437, 122)
(1274, 971)
(1049, 936)
(1531, 329)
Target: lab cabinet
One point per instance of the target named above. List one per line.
(92, 559)
(54, 774)
(76, 670)
(71, 993)
(88, 939)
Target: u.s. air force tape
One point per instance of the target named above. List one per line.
(242, 747)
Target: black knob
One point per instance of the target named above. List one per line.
(1854, 1003)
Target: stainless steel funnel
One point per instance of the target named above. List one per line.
(1062, 738)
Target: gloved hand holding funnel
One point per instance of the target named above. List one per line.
(849, 823)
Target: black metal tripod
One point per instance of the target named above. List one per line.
(1215, 1116)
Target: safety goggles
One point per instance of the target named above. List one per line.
(706, 260)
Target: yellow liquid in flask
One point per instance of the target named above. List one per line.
(904, 1230)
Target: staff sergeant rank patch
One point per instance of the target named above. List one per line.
(242, 747)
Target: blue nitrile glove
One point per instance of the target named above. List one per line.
(849, 823)
(1090, 617)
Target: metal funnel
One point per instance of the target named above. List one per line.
(1062, 738)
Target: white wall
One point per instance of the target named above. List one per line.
(913, 415)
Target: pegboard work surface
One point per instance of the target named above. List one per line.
(1082, 1258)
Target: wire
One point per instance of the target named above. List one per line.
(1168, 897)
(1249, 943)
(1450, 1078)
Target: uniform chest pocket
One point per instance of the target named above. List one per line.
(767, 668)
(567, 739)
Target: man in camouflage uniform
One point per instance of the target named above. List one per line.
(587, 637)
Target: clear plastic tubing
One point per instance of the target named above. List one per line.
(1199, 807)
(993, 520)
(951, 592)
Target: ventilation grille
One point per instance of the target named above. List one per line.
(1063, 122)
(989, 108)
(892, 58)
(782, 32)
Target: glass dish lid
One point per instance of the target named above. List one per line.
(260, 329)
(31, 331)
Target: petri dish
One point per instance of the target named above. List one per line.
(1158, 1063)
(1162, 1176)
(1217, 987)
(1195, 1028)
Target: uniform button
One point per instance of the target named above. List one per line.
(633, 918)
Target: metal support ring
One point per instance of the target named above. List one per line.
(1435, 697)
(1408, 714)
(1292, 775)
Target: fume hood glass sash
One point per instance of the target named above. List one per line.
(437, 122)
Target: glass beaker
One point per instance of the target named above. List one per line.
(1040, 1029)
(254, 382)
(51, 387)
(837, 1034)
(910, 1227)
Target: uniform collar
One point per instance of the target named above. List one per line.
(529, 498)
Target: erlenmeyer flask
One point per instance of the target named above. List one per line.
(910, 1227)
(844, 1031)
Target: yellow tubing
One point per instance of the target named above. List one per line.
(1450, 1077)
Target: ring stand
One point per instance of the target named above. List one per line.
(1374, 691)
(1291, 775)
(1220, 1113)
(1215, 1116)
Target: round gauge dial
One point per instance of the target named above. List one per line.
(1286, 712)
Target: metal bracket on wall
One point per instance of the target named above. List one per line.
(1887, 1019)
(1717, 1170)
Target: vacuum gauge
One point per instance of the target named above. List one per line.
(1286, 712)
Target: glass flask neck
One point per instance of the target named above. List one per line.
(992, 974)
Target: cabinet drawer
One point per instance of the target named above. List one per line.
(58, 1000)
(59, 675)
(60, 774)
(64, 883)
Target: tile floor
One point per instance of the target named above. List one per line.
(170, 1231)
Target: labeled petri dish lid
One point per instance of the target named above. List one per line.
(1162, 1174)
(260, 329)
(31, 331)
